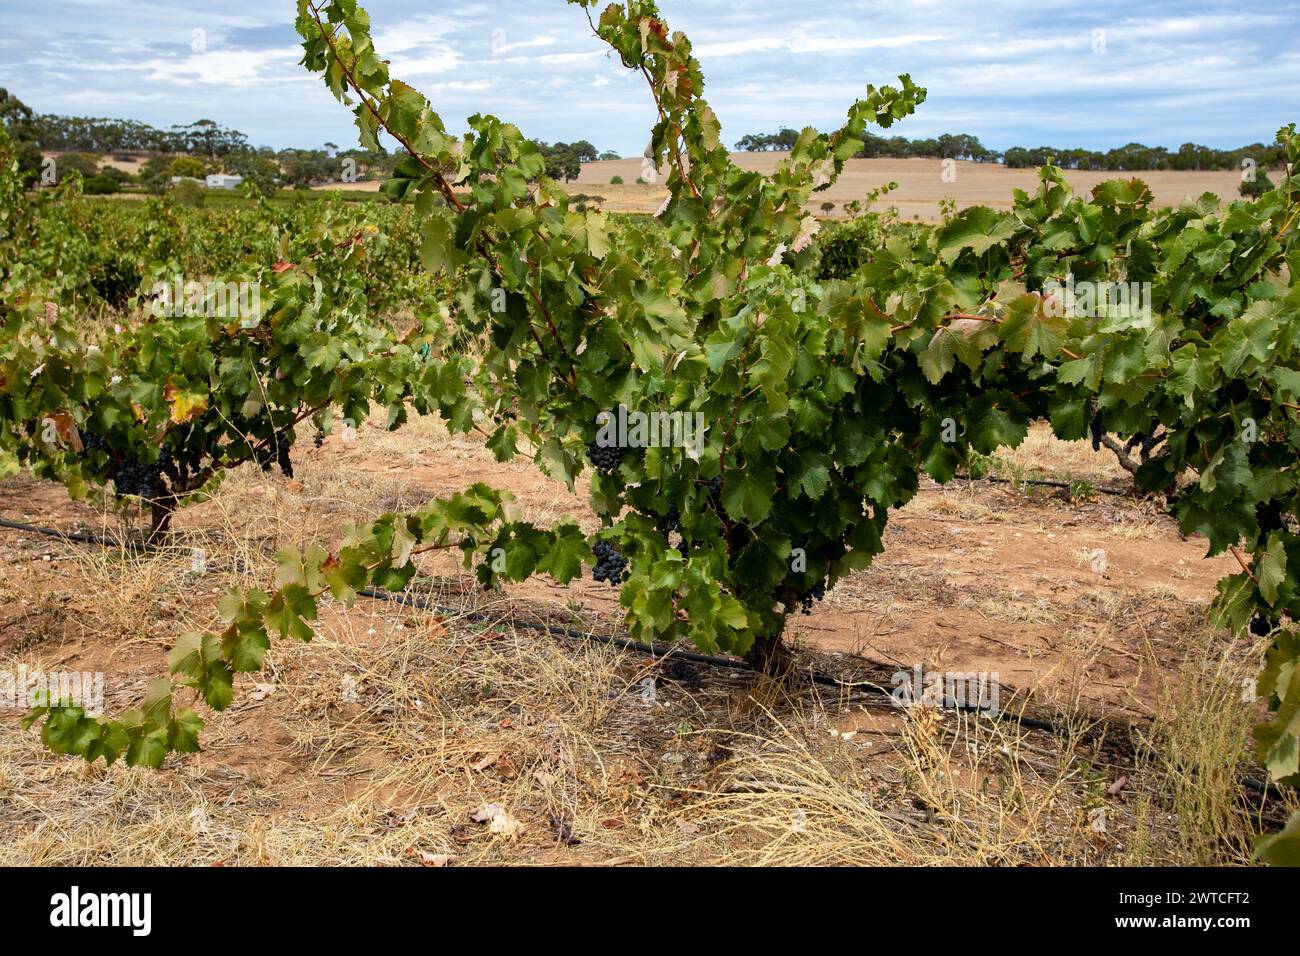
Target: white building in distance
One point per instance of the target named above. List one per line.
(222, 181)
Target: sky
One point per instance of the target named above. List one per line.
(1092, 74)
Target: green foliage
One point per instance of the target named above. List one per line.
(17, 120)
(101, 185)
(76, 164)
(825, 390)
(1256, 186)
(964, 146)
(104, 360)
(189, 194)
(187, 166)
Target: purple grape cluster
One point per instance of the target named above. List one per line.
(667, 524)
(278, 454)
(818, 593)
(605, 458)
(611, 566)
(131, 477)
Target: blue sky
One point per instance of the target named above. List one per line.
(1098, 73)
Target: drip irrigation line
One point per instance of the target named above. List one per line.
(658, 651)
(101, 540)
(655, 651)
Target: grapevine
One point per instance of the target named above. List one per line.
(828, 388)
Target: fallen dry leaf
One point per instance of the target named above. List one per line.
(497, 819)
(544, 778)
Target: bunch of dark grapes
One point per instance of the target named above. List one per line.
(715, 489)
(135, 478)
(276, 454)
(667, 524)
(283, 460)
(1097, 429)
(1147, 440)
(1261, 626)
(605, 458)
(320, 440)
(93, 441)
(818, 593)
(128, 477)
(610, 565)
(167, 463)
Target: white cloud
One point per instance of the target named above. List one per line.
(1010, 71)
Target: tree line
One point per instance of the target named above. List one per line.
(1134, 156)
(206, 146)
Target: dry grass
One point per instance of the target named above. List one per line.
(1042, 454)
(377, 743)
(409, 738)
(1197, 815)
(388, 743)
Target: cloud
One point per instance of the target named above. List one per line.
(1009, 71)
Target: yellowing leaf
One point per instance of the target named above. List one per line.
(185, 405)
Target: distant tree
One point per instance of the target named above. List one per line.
(187, 166)
(100, 185)
(16, 117)
(784, 140)
(609, 154)
(304, 168)
(261, 171)
(616, 181)
(75, 164)
(207, 138)
(1017, 157)
(1257, 185)
(155, 173)
(367, 164)
(562, 161)
(585, 152)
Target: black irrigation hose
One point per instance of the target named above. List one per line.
(657, 651)
(73, 536)
(662, 651)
